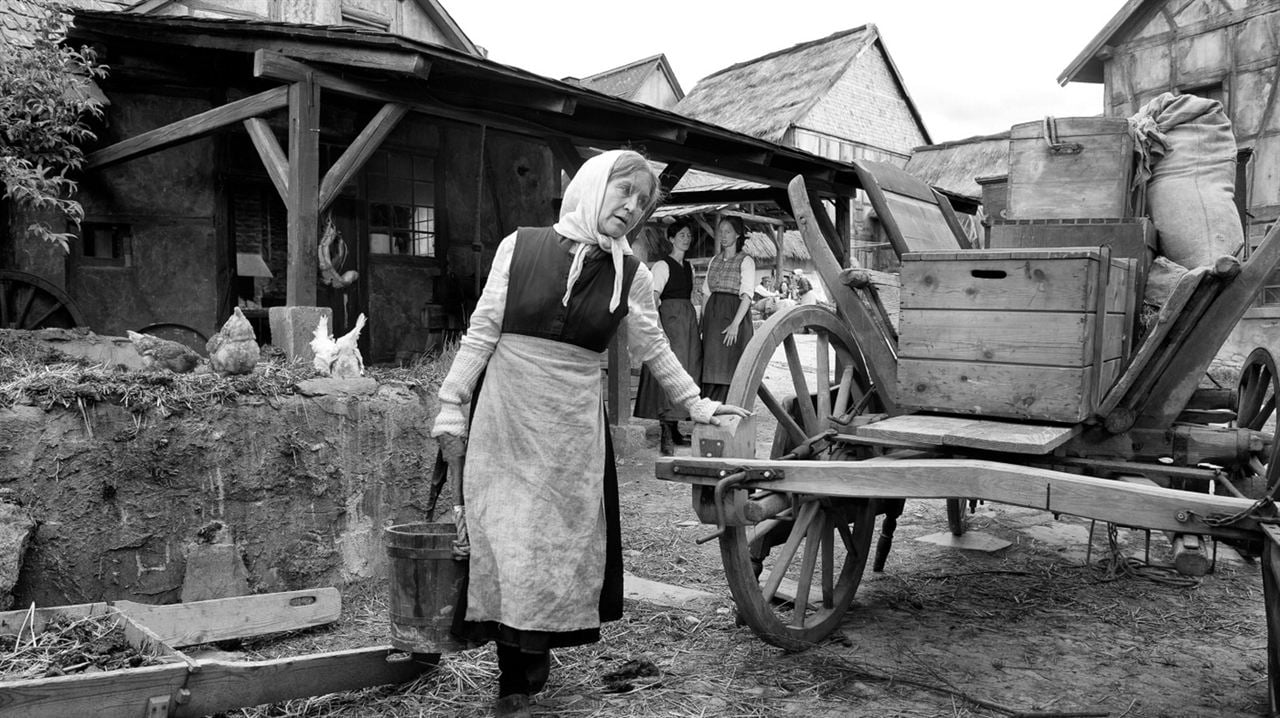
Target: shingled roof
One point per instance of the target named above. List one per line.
(625, 81)
(766, 96)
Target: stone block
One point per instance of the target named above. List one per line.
(16, 528)
(293, 328)
(214, 570)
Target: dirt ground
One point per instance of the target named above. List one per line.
(1027, 630)
(1044, 627)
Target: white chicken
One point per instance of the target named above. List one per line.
(339, 358)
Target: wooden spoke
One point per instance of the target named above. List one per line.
(794, 430)
(823, 365)
(828, 561)
(843, 391)
(31, 302)
(801, 386)
(788, 552)
(805, 579)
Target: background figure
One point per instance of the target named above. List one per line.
(672, 288)
(726, 324)
(540, 486)
(808, 291)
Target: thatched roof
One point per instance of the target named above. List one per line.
(760, 246)
(766, 96)
(953, 167)
(625, 81)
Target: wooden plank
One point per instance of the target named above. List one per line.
(1019, 437)
(359, 151)
(271, 154)
(1055, 338)
(1271, 599)
(187, 624)
(109, 694)
(1178, 382)
(303, 203)
(986, 280)
(221, 686)
(1044, 393)
(190, 128)
(878, 350)
(1178, 299)
(1032, 487)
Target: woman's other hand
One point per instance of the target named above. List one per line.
(730, 334)
(729, 410)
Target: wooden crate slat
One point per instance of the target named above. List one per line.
(1046, 393)
(187, 624)
(1016, 437)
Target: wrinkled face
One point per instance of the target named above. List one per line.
(624, 202)
(682, 240)
(726, 235)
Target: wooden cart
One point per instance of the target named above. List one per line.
(1151, 448)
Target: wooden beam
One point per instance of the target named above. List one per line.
(364, 145)
(566, 154)
(1056, 491)
(219, 686)
(271, 154)
(304, 193)
(190, 128)
(877, 350)
(1180, 378)
(724, 196)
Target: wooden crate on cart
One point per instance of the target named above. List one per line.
(1028, 334)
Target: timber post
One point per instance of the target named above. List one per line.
(304, 192)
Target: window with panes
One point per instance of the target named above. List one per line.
(400, 191)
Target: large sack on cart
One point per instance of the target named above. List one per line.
(1187, 165)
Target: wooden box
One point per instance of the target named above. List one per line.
(1029, 334)
(995, 195)
(1070, 167)
(1132, 238)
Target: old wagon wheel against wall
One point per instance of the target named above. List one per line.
(1256, 409)
(29, 302)
(794, 574)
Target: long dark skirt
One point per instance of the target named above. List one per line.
(718, 360)
(481, 632)
(680, 323)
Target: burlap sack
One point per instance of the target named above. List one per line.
(1189, 156)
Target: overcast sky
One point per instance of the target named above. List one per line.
(973, 67)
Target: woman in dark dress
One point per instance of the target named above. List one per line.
(672, 288)
(726, 320)
(540, 486)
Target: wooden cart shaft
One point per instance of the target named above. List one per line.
(1127, 504)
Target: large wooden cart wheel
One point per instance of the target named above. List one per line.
(1256, 409)
(30, 302)
(793, 576)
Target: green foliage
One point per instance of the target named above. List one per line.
(44, 112)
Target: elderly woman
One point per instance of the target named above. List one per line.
(672, 289)
(541, 486)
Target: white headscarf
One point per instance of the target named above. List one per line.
(580, 221)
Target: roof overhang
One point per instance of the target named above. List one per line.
(1087, 67)
(440, 81)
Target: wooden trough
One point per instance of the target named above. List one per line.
(181, 685)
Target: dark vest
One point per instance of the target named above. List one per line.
(539, 269)
(679, 280)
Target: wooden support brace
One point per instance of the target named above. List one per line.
(271, 154)
(364, 145)
(190, 128)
